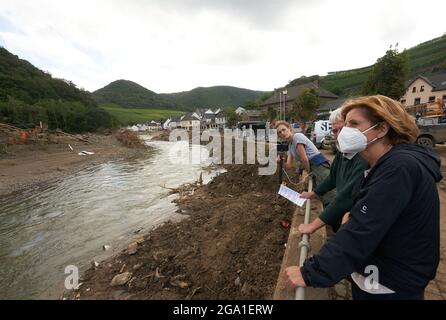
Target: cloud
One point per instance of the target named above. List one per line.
(177, 45)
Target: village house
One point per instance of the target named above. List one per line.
(152, 126)
(240, 110)
(190, 120)
(425, 89)
(220, 119)
(292, 93)
(174, 123)
(324, 111)
(249, 115)
(211, 119)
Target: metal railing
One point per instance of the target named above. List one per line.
(304, 245)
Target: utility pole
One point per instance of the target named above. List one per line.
(285, 92)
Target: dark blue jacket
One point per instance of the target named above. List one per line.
(394, 225)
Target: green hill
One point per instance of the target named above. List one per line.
(129, 94)
(126, 116)
(426, 58)
(218, 96)
(29, 95)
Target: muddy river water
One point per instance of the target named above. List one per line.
(68, 222)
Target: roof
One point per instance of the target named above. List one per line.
(209, 116)
(190, 117)
(295, 91)
(252, 113)
(331, 105)
(437, 81)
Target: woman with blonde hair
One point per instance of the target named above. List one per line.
(301, 149)
(390, 245)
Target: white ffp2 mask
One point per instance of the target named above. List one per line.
(351, 140)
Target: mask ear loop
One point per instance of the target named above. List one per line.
(371, 129)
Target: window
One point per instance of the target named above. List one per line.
(417, 101)
(403, 101)
(422, 89)
(414, 89)
(432, 99)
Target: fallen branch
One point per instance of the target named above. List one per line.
(73, 136)
(8, 126)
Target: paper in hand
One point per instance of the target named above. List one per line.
(291, 195)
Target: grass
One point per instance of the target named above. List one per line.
(426, 58)
(126, 116)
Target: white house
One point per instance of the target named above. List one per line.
(425, 89)
(240, 110)
(175, 122)
(220, 119)
(190, 120)
(153, 125)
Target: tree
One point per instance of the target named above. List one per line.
(306, 104)
(251, 105)
(272, 113)
(388, 75)
(232, 117)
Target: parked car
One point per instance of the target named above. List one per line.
(432, 134)
(329, 143)
(245, 126)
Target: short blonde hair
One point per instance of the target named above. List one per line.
(378, 108)
(282, 123)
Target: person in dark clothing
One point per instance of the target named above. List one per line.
(345, 172)
(391, 244)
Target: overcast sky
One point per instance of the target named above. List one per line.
(177, 45)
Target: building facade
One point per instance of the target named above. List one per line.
(425, 89)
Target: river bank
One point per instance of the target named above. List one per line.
(229, 247)
(26, 165)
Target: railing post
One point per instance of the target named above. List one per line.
(304, 245)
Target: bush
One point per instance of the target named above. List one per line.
(130, 139)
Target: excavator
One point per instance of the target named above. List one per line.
(429, 109)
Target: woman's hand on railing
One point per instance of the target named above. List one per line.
(294, 277)
(306, 228)
(308, 195)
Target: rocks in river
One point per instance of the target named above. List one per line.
(138, 266)
(94, 264)
(132, 248)
(140, 240)
(106, 247)
(121, 279)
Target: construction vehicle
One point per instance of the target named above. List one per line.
(434, 108)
